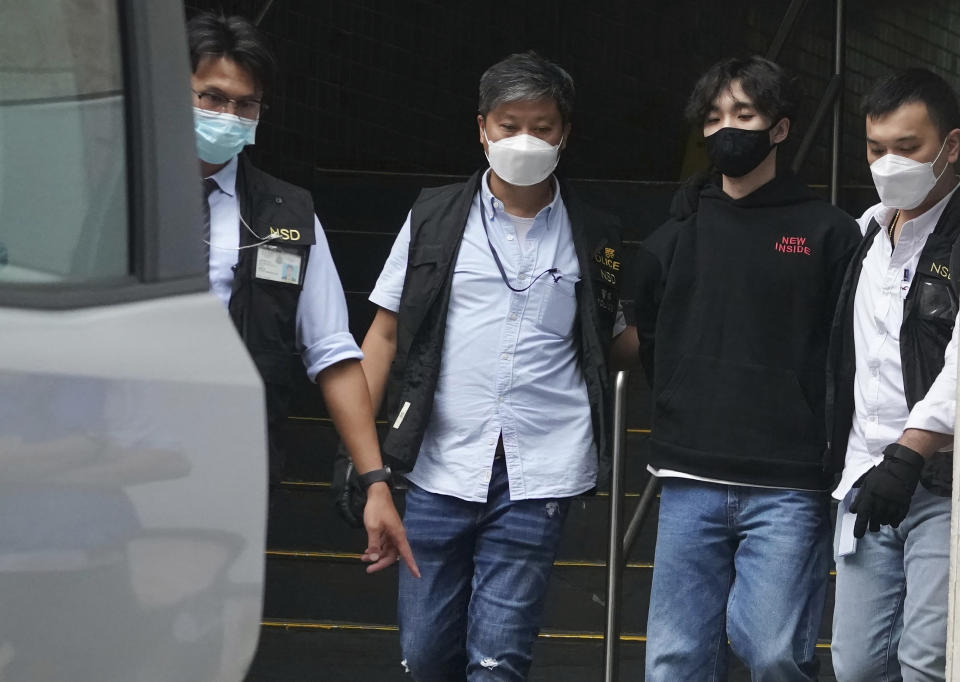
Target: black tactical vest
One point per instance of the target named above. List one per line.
(437, 224)
(265, 311)
(929, 311)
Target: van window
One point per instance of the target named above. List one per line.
(63, 185)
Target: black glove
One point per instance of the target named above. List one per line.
(886, 490)
(348, 495)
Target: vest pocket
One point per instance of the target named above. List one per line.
(421, 282)
(935, 300)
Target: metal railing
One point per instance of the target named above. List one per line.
(615, 554)
(620, 543)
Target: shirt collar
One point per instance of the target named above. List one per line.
(921, 226)
(491, 205)
(226, 177)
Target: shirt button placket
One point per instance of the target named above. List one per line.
(510, 339)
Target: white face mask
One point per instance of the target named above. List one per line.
(904, 183)
(522, 160)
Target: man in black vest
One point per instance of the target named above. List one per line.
(271, 266)
(498, 304)
(892, 391)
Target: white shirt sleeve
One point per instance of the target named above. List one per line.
(323, 331)
(620, 323)
(386, 293)
(937, 411)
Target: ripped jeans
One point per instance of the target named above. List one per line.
(475, 612)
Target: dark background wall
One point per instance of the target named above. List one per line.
(389, 86)
(378, 98)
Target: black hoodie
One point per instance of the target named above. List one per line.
(734, 308)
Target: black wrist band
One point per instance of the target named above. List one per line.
(905, 454)
(368, 479)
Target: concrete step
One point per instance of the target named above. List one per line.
(341, 652)
(310, 432)
(310, 444)
(308, 401)
(302, 517)
(334, 587)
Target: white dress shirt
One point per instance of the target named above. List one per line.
(323, 334)
(509, 361)
(881, 412)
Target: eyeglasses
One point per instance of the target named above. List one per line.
(244, 108)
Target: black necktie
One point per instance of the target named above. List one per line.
(209, 184)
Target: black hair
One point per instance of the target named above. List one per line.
(237, 39)
(526, 76)
(914, 85)
(774, 92)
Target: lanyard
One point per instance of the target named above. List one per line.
(503, 274)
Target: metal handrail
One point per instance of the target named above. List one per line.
(619, 549)
(611, 633)
(640, 514)
(826, 106)
(785, 29)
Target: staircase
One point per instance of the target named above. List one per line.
(325, 619)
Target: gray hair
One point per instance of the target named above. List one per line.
(523, 77)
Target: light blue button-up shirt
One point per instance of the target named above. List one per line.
(323, 333)
(509, 362)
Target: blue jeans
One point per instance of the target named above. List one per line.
(744, 563)
(890, 614)
(475, 612)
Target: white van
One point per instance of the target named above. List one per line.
(132, 425)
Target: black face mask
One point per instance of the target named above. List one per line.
(735, 151)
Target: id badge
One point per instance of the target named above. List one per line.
(846, 542)
(276, 264)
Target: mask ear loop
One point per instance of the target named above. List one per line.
(934, 162)
(558, 146)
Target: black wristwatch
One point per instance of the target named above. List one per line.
(368, 479)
